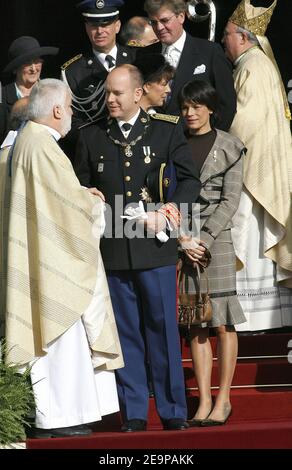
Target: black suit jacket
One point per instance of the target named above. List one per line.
(9, 96)
(86, 73)
(103, 164)
(218, 71)
(3, 122)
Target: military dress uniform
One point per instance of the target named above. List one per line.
(141, 271)
(85, 76)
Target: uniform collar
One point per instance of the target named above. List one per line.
(101, 55)
(131, 121)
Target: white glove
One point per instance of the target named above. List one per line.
(139, 213)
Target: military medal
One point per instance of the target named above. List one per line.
(145, 196)
(128, 151)
(147, 151)
(128, 146)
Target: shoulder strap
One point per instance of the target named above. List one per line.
(165, 117)
(70, 61)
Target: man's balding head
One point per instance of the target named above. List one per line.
(138, 31)
(124, 89)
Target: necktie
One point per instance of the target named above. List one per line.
(172, 55)
(126, 127)
(111, 61)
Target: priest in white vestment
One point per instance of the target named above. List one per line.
(262, 232)
(58, 314)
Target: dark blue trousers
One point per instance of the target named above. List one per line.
(144, 303)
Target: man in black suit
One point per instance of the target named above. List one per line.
(86, 73)
(116, 156)
(3, 121)
(192, 57)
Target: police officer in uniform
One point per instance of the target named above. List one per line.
(116, 156)
(85, 73)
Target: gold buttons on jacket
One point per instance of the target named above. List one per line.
(127, 164)
(127, 178)
(129, 193)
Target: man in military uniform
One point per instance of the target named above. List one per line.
(85, 73)
(116, 156)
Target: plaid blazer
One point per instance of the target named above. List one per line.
(221, 177)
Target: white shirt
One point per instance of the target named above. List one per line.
(131, 121)
(18, 92)
(101, 56)
(172, 52)
(9, 139)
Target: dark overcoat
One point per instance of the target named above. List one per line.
(9, 96)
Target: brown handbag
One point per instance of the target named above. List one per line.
(193, 309)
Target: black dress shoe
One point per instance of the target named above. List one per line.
(174, 424)
(134, 425)
(194, 423)
(216, 422)
(71, 431)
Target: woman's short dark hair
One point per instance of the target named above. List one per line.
(154, 68)
(200, 92)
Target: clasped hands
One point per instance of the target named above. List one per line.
(194, 249)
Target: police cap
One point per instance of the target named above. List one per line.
(100, 11)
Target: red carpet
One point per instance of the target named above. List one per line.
(261, 418)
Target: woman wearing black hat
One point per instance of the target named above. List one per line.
(25, 62)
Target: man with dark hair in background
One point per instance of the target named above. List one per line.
(192, 57)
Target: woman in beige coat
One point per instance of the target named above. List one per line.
(219, 158)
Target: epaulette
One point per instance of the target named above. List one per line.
(70, 61)
(134, 43)
(165, 117)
